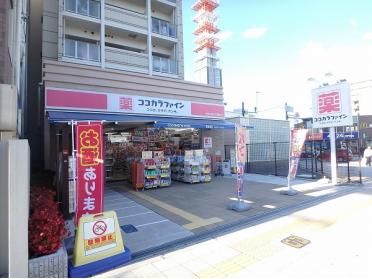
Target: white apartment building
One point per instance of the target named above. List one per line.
(143, 36)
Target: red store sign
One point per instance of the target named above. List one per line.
(77, 100)
(90, 169)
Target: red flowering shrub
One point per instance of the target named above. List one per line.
(46, 224)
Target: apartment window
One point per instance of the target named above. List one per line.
(163, 27)
(163, 65)
(81, 49)
(90, 8)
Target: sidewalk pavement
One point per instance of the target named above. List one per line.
(336, 228)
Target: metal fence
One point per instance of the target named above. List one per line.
(271, 158)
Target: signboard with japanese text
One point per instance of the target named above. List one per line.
(207, 142)
(77, 100)
(241, 142)
(90, 169)
(342, 136)
(98, 237)
(298, 137)
(332, 106)
(146, 154)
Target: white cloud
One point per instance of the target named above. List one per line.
(255, 32)
(353, 22)
(223, 36)
(367, 36)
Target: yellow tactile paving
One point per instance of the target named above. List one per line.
(195, 221)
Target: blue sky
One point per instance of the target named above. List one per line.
(274, 46)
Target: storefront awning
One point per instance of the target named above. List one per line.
(158, 122)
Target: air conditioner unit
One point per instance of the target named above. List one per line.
(8, 107)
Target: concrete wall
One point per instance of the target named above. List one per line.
(75, 76)
(14, 207)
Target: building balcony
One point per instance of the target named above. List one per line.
(120, 17)
(172, 3)
(81, 50)
(91, 8)
(164, 65)
(121, 59)
(164, 28)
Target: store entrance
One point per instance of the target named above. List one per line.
(148, 157)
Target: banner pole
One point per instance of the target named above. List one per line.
(289, 162)
(289, 191)
(73, 159)
(239, 205)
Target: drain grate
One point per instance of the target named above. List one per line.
(128, 228)
(295, 241)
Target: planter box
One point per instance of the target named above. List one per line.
(53, 265)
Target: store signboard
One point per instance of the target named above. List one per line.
(76, 100)
(146, 154)
(158, 154)
(98, 237)
(342, 136)
(89, 166)
(198, 152)
(332, 106)
(241, 142)
(298, 137)
(207, 142)
(314, 136)
(189, 154)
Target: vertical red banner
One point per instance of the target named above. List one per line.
(298, 137)
(241, 141)
(90, 169)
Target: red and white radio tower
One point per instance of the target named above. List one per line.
(207, 70)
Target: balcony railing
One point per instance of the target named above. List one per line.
(90, 8)
(126, 17)
(164, 65)
(163, 27)
(127, 60)
(81, 50)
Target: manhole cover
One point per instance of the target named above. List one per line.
(295, 241)
(128, 228)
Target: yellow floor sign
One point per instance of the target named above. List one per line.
(98, 237)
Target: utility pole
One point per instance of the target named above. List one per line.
(356, 110)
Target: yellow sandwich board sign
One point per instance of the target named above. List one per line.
(98, 237)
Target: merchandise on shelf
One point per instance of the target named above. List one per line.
(194, 167)
(151, 173)
(164, 171)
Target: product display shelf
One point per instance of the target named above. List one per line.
(177, 168)
(205, 171)
(151, 174)
(192, 172)
(164, 172)
(109, 163)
